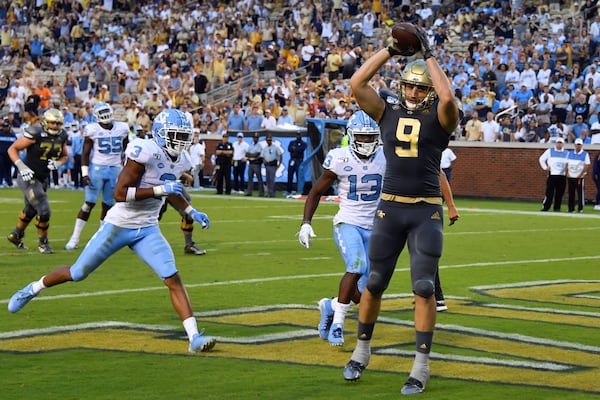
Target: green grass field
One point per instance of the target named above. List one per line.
(523, 289)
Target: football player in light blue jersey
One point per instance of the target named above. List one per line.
(148, 177)
(358, 171)
(100, 165)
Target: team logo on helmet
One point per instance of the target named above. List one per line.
(103, 113)
(363, 134)
(172, 131)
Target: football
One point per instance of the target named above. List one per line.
(405, 38)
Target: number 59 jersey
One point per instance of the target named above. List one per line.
(359, 185)
(108, 143)
(159, 169)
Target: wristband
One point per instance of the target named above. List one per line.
(20, 164)
(130, 194)
(159, 191)
(85, 170)
(189, 210)
(305, 221)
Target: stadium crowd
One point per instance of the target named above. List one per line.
(532, 64)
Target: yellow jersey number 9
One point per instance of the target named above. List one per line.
(407, 133)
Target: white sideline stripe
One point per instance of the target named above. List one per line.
(79, 327)
(520, 212)
(257, 339)
(547, 366)
(515, 337)
(546, 310)
(294, 277)
(533, 283)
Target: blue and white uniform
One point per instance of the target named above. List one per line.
(135, 223)
(105, 160)
(359, 187)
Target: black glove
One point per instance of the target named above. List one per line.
(85, 180)
(393, 52)
(425, 48)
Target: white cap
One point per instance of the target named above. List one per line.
(560, 140)
(578, 141)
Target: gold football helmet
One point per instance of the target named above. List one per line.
(415, 73)
(53, 121)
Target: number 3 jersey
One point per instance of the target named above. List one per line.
(108, 143)
(359, 185)
(159, 169)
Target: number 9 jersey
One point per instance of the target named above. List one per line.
(413, 143)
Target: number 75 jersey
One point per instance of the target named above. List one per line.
(359, 184)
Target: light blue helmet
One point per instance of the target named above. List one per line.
(172, 131)
(361, 124)
(103, 113)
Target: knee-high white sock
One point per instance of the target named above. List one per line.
(79, 225)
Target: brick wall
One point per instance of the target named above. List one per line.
(505, 171)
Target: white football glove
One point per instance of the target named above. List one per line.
(53, 165)
(27, 174)
(306, 232)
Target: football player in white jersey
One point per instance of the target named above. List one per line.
(358, 170)
(100, 165)
(187, 222)
(148, 177)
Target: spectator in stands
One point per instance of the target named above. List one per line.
(284, 118)
(473, 128)
(489, 129)
(561, 103)
(579, 130)
(317, 64)
(556, 130)
(269, 121)
(254, 120)
(522, 98)
(235, 119)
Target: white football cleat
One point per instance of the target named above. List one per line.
(72, 244)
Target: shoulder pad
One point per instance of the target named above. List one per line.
(32, 131)
(388, 96)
